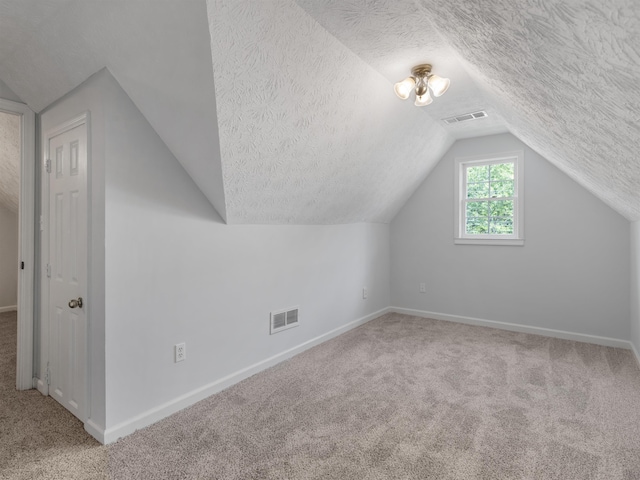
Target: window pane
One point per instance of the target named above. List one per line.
(477, 226)
(502, 171)
(477, 209)
(489, 198)
(502, 189)
(478, 174)
(501, 208)
(501, 226)
(478, 190)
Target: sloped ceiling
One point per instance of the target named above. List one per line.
(158, 50)
(565, 76)
(562, 74)
(9, 161)
(7, 94)
(309, 128)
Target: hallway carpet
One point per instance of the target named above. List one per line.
(39, 439)
(400, 398)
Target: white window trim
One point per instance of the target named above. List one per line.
(517, 239)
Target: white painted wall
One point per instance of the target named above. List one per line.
(572, 274)
(174, 272)
(635, 287)
(8, 258)
(90, 96)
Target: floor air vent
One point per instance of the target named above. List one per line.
(465, 117)
(283, 319)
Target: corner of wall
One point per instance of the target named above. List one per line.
(635, 288)
(544, 284)
(8, 94)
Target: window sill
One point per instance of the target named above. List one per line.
(511, 242)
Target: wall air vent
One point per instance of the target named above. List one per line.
(283, 319)
(465, 117)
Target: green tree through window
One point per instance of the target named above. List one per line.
(489, 199)
(489, 202)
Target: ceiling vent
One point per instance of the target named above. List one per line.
(465, 117)
(283, 319)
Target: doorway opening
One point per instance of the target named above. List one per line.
(9, 202)
(18, 203)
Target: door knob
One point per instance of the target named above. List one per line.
(75, 303)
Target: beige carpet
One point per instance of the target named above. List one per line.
(400, 397)
(39, 439)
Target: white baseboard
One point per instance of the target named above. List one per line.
(635, 352)
(514, 327)
(10, 308)
(153, 415)
(95, 430)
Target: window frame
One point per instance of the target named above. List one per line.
(461, 164)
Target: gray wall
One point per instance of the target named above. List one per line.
(174, 272)
(7, 93)
(635, 286)
(572, 274)
(8, 258)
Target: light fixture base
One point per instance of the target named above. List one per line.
(421, 70)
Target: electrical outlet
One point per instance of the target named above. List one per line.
(423, 288)
(364, 293)
(180, 352)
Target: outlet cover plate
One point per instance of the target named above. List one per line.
(180, 352)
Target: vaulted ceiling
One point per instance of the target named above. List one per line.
(9, 161)
(283, 111)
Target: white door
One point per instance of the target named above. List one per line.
(67, 266)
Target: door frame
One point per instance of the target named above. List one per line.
(26, 241)
(41, 383)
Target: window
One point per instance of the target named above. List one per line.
(489, 199)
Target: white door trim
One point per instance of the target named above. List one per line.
(26, 242)
(41, 382)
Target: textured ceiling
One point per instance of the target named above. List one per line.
(309, 132)
(393, 36)
(565, 76)
(9, 160)
(309, 128)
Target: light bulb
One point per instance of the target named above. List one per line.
(423, 100)
(438, 85)
(403, 88)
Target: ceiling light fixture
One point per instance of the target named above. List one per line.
(424, 82)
